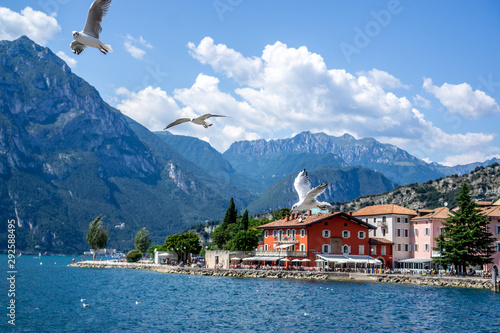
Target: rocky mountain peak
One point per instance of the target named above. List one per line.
(46, 108)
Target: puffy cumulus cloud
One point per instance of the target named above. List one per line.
(154, 109)
(382, 79)
(203, 97)
(226, 60)
(35, 24)
(290, 90)
(133, 46)
(67, 59)
(461, 99)
(151, 107)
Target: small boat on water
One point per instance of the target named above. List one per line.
(19, 255)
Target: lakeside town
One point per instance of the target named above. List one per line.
(377, 239)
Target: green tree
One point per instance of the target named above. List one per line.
(243, 222)
(231, 214)
(224, 232)
(281, 213)
(245, 240)
(185, 243)
(142, 240)
(97, 236)
(134, 256)
(151, 250)
(465, 239)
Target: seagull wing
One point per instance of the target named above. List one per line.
(302, 184)
(77, 47)
(312, 194)
(97, 12)
(208, 115)
(177, 122)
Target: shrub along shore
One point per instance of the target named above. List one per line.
(463, 282)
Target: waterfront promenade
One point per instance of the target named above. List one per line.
(446, 281)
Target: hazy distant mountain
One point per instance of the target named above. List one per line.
(205, 156)
(67, 156)
(463, 168)
(260, 156)
(344, 185)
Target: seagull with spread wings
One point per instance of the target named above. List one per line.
(307, 196)
(199, 121)
(89, 36)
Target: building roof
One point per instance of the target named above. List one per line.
(484, 203)
(307, 220)
(438, 213)
(379, 241)
(384, 210)
(493, 211)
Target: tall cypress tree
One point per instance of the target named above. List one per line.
(224, 232)
(231, 214)
(465, 239)
(243, 222)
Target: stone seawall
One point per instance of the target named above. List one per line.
(446, 281)
(462, 282)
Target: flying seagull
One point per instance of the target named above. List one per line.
(90, 34)
(307, 196)
(199, 121)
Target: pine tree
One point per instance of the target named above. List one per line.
(465, 239)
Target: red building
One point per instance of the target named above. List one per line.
(330, 238)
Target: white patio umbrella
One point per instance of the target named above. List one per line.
(306, 260)
(235, 258)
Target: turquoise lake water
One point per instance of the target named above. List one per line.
(48, 299)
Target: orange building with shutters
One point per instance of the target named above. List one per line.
(306, 238)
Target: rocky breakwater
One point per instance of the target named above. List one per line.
(239, 273)
(463, 282)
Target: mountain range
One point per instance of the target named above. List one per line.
(66, 157)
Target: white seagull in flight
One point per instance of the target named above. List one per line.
(307, 196)
(90, 34)
(199, 121)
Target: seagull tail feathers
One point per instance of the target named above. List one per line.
(106, 47)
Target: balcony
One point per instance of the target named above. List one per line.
(286, 240)
(281, 253)
(382, 224)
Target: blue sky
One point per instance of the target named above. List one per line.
(423, 75)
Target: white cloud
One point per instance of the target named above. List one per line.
(132, 46)
(67, 59)
(461, 99)
(151, 107)
(37, 25)
(154, 109)
(422, 102)
(292, 90)
(382, 79)
(226, 60)
(467, 158)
